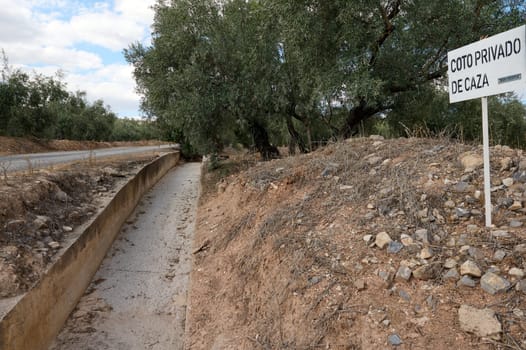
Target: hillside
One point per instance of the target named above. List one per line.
(364, 244)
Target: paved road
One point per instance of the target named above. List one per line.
(20, 162)
(137, 299)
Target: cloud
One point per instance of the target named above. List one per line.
(76, 37)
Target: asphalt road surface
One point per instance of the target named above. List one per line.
(137, 299)
(21, 162)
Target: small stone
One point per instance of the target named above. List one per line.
(406, 240)
(367, 238)
(360, 284)
(14, 225)
(470, 268)
(481, 322)
(500, 234)
(385, 275)
(67, 228)
(499, 255)
(472, 228)
(450, 263)
(374, 160)
(520, 248)
(386, 323)
(521, 286)
(61, 195)
(394, 340)
(426, 253)
(346, 187)
(422, 235)
(476, 253)
(451, 274)
(471, 162)
(404, 295)
(394, 247)
(382, 239)
(462, 213)
(41, 222)
(493, 283)
(461, 187)
(54, 245)
(467, 281)
(517, 205)
(427, 272)
(422, 214)
(505, 164)
(450, 204)
(508, 182)
(403, 273)
(515, 223)
(314, 280)
(516, 272)
(477, 195)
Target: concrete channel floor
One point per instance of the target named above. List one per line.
(137, 299)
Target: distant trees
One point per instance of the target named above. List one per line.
(40, 106)
(263, 72)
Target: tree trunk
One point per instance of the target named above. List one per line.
(263, 146)
(357, 114)
(295, 138)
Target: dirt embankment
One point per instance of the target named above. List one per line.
(19, 145)
(39, 211)
(366, 244)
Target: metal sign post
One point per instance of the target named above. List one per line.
(488, 67)
(487, 173)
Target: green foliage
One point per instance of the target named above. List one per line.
(40, 106)
(296, 72)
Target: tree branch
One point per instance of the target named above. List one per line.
(387, 15)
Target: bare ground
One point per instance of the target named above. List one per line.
(283, 260)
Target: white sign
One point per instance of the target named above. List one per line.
(488, 67)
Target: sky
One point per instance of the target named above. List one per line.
(82, 38)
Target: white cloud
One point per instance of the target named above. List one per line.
(47, 35)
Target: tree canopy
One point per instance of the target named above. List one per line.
(263, 72)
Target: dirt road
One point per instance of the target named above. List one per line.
(137, 299)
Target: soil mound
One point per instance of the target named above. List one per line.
(365, 244)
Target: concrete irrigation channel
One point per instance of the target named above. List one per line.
(137, 298)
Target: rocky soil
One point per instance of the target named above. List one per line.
(41, 210)
(365, 244)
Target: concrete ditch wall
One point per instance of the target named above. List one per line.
(34, 322)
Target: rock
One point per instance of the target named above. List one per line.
(422, 214)
(476, 253)
(470, 268)
(394, 247)
(67, 228)
(508, 182)
(385, 275)
(451, 274)
(394, 340)
(521, 286)
(403, 273)
(517, 205)
(461, 187)
(406, 240)
(462, 213)
(427, 272)
(515, 223)
(404, 295)
(493, 283)
(516, 272)
(477, 194)
(450, 204)
(471, 162)
(426, 253)
(422, 235)
(520, 176)
(499, 255)
(520, 248)
(472, 228)
(374, 160)
(371, 206)
(14, 225)
(450, 263)
(467, 281)
(360, 284)
(367, 238)
(346, 187)
(382, 239)
(500, 234)
(505, 164)
(61, 195)
(41, 222)
(54, 245)
(481, 322)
